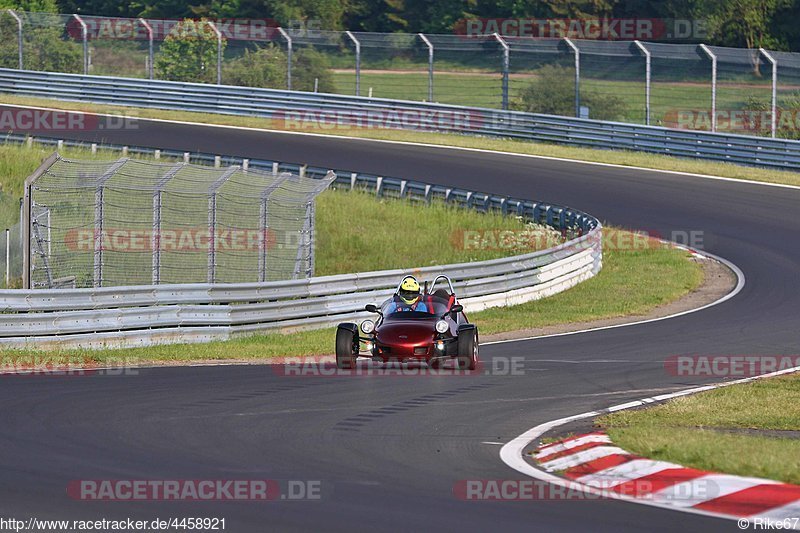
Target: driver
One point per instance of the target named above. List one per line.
(408, 297)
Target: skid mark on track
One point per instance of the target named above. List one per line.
(356, 422)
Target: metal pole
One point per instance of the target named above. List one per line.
(8, 258)
(155, 238)
(506, 63)
(99, 219)
(219, 50)
(713, 59)
(19, 34)
(85, 35)
(149, 48)
(288, 58)
(430, 65)
(25, 221)
(577, 76)
(358, 61)
(264, 224)
(212, 222)
(774, 106)
(647, 72)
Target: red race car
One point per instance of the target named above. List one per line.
(413, 325)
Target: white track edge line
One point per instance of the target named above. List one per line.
(512, 452)
(406, 143)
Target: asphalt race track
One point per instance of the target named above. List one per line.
(388, 451)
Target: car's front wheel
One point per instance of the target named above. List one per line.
(468, 349)
(346, 342)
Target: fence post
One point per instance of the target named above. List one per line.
(430, 65)
(99, 219)
(19, 34)
(219, 50)
(150, 57)
(506, 64)
(713, 59)
(85, 35)
(358, 61)
(647, 73)
(155, 239)
(212, 222)
(577, 53)
(288, 58)
(264, 224)
(774, 105)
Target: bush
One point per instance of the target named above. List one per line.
(44, 48)
(310, 64)
(265, 67)
(188, 53)
(553, 93)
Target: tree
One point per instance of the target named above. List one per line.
(188, 53)
(265, 67)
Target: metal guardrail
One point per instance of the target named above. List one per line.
(292, 107)
(126, 316)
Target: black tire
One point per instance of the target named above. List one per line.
(345, 349)
(467, 349)
(436, 364)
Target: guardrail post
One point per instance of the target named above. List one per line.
(430, 65)
(150, 54)
(19, 34)
(8, 258)
(713, 59)
(647, 72)
(219, 50)
(774, 104)
(212, 222)
(85, 36)
(155, 239)
(577, 53)
(357, 44)
(288, 58)
(506, 66)
(99, 204)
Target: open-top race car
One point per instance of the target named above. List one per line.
(426, 325)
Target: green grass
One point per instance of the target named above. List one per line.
(617, 157)
(688, 430)
(631, 282)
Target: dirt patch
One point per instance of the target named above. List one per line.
(718, 280)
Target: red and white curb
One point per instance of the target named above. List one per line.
(590, 463)
(592, 460)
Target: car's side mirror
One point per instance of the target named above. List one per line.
(457, 308)
(372, 308)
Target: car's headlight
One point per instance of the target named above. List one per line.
(368, 326)
(442, 326)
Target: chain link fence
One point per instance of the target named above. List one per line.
(129, 222)
(686, 86)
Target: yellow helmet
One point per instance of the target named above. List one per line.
(409, 290)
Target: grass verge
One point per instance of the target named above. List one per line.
(617, 157)
(718, 430)
(631, 282)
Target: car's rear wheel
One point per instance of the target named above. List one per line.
(345, 348)
(467, 349)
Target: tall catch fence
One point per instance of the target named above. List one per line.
(686, 86)
(128, 222)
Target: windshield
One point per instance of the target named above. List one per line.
(428, 306)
